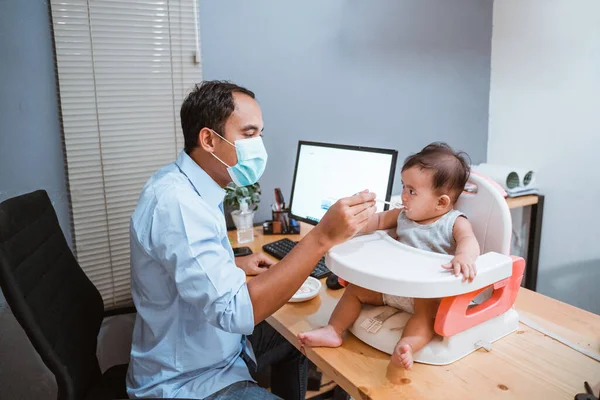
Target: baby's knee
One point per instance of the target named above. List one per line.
(356, 290)
(366, 295)
(426, 308)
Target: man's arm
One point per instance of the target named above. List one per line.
(254, 264)
(186, 241)
(186, 238)
(272, 289)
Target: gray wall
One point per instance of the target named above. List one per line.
(30, 158)
(390, 73)
(31, 155)
(544, 115)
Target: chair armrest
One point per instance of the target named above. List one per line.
(454, 314)
(125, 309)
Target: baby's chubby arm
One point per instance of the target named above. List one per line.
(467, 250)
(382, 221)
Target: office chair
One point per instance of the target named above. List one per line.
(53, 300)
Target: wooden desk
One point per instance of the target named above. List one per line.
(525, 364)
(536, 202)
(523, 201)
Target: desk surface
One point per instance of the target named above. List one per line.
(525, 364)
(522, 201)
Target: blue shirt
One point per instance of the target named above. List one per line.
(193, 305)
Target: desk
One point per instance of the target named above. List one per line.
(535, 234)
(525, 364)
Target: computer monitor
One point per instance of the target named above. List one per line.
(327, 172)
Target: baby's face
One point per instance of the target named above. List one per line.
(418, 195)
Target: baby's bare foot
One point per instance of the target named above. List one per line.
(325, 337)
(403, 356)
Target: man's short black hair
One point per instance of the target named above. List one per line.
(450, 169)
(209, 105)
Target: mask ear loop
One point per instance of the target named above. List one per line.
(222, 162)
(221, 137)
(214, 155)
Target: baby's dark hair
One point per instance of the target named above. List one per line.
(450, 169)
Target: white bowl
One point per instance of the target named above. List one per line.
(309, 289)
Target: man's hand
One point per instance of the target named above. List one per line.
(346, 218)
(462, 263)
(275, 287)
(254, 264)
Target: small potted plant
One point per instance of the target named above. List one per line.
(235, 195)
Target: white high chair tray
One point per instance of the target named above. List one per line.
(378, 262)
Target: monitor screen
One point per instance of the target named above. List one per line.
(327, 172)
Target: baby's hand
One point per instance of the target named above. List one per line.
(462, 264)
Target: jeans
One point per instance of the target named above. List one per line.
(289, 369)
(243, 390)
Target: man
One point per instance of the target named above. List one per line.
(199, 330)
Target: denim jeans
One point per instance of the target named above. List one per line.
(243, 390)
(289, 369)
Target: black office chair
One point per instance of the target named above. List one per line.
(53, 300)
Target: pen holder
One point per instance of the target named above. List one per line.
(281, 224)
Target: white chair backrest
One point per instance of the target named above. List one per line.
(489, 215)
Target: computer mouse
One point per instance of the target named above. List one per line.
(333, 283)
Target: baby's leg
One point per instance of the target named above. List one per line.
(350, 305)
(417, 332)
(344, 315)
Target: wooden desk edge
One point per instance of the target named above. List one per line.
(574, 324)
(522, 201)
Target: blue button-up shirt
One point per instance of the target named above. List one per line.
(193, 305)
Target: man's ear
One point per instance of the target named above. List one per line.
(443, 202)
(206, 140)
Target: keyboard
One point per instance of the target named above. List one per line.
(281, 248)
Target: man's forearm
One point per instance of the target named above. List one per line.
(272, 289)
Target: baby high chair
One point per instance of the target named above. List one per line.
(471, 315)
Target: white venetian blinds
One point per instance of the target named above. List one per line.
(124, 67)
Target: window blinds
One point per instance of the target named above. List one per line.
(124, 67)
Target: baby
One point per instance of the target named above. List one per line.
(432, 181)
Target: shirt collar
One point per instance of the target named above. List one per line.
(205, 186)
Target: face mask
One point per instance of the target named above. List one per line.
(252, 160)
